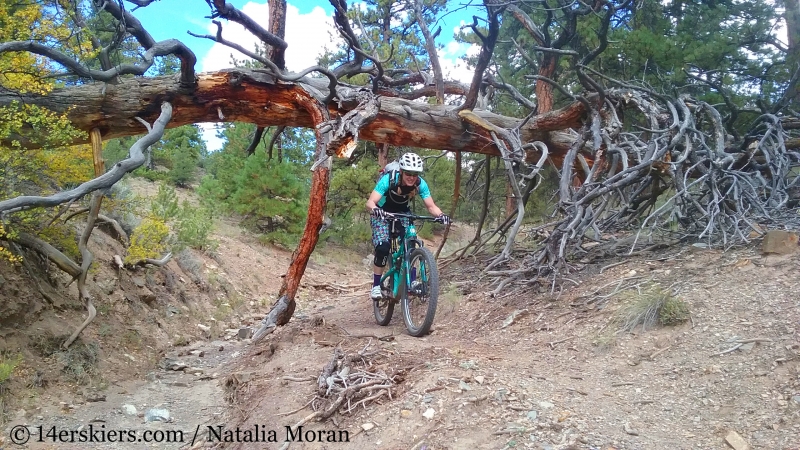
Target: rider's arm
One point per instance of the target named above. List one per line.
(372, 201)
(432, 208)
(425, 195)
(378, 193)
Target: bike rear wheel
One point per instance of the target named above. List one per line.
(420, 298)
(384, 308)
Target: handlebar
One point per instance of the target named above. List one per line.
(412, 217)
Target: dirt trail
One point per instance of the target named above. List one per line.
(167, 405)
(555, 378)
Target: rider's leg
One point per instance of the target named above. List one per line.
(379, 263)
(380, 239)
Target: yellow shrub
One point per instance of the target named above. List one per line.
(149, 240)
(5, 254)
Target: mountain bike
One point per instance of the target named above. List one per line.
(412, 279)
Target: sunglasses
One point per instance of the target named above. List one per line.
(411, 174)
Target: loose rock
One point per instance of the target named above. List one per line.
(736, 441)
(156, 415)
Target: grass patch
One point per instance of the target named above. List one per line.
(605, 339)
(181, 341)
(653, 305)
(7, 366)
(78, 363)
(131, 339)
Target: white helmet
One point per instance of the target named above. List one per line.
(411, 162)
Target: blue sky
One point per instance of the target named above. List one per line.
(167, 19)
(309, 31)
(309, 23)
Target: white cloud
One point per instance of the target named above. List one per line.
(308, 35)
(209, 132)
(453, 66)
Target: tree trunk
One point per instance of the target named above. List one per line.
(792, 17)
(383, 155)
(277, 26)
(544, 90)
(284, 308)
(254, 96)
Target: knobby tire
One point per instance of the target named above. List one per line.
(384, 308)
(415, 329)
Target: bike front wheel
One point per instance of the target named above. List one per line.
(419, 298)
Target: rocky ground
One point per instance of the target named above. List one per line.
(559, 376)
(524, 369)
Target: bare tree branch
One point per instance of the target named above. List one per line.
(485, 55)
(430, 45)
(274, 70)
(223, 9)
(135, 159)
(163, 48)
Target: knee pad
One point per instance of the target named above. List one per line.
(381, 254)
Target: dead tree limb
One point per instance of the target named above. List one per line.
(86, 263)
(485, 56)
(87, 257)
(284, 307)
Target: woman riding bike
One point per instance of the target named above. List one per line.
(392, 194)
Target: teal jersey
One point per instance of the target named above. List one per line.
(397, 199)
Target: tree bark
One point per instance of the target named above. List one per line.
(256, 97)
(544, 90)
(383, 155)
(277, 26)
(792, 17)
(284, 308)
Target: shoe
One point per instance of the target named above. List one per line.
(376, 293)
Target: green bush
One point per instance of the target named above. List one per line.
(674, 311)
(184, 166)
(193, 227)
(165, 205)
(350, 233)
(272, 198)
(152, 175)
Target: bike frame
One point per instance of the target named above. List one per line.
(401, 248)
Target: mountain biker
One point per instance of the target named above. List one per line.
(393, 196)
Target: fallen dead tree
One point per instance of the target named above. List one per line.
(674, 177)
